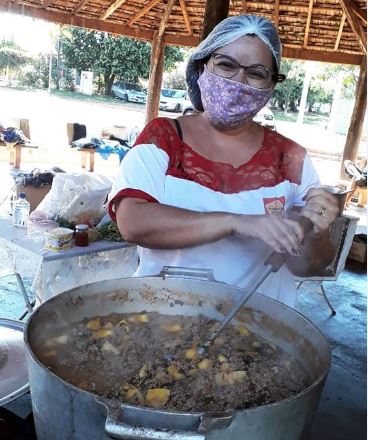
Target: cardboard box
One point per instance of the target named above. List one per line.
(34, 195)
(358, 250)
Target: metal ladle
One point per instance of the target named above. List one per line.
(272, 264)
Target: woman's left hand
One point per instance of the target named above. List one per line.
(321, 208)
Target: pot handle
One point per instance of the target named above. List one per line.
(187, 272)
(120, 430)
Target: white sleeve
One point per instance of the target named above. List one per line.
(143, 169)
(310, 179)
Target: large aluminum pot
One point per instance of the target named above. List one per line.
(64, 412)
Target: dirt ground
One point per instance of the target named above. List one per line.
(48, 116)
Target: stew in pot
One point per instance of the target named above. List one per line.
(150, 359)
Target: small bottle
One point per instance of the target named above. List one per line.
(81, 235)
(21, 211)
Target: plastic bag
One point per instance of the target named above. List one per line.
(76, 198)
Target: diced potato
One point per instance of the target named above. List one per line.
(49, 343)
(243, 330)
(108, 347)
(231, 378)
(174, 373)
(191, 354)
(157, 397)
(143, 371)
(142, 318)
(102, 333)
(108, 326)
(173, 328)
(83, 385)
(225, 367)
(50, 353)
(124, 324)
(221, 358)
(63, 339)
(94, 324)
(206, 364)
(130, 391)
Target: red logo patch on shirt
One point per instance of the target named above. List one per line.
(274, 205)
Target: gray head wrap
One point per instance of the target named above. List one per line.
(226, 32)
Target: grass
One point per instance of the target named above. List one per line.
(87, 98)
(309, 118)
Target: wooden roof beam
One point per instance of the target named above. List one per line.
(244, 6)
(361, 13)
(46, 3)
(111, 9)
(186, 16)
(79, 6)
(165, 17)
(150, 5)
(309, 18)
(76, 20)
(277, 13)
(348, 7)
(342, 23)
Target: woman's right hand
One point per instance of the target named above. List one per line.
(282, 234)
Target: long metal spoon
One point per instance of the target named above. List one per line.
(272, 264)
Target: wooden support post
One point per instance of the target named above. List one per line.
(157, 65)
(356, 125)
(155, 77)
(18, 155)
(216, 11)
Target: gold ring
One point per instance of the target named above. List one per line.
(321, 210)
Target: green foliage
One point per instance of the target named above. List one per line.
(11, 56)
(289, 92)
(110, 58)
(36, 73)
(175, 80)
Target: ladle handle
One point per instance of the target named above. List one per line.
(277, 259)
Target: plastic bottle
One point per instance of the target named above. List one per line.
(21, 211)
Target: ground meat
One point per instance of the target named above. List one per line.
(151, 359)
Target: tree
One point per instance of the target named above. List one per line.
(288, 93)
(175, 80)
(111, 57)
(12, 57)
(36, 73)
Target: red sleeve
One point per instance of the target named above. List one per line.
(128, 192)
(160, 133)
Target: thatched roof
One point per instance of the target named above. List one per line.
(322, 30)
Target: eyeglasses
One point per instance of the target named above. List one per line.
(255, 75)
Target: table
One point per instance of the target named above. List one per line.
(54, 272)
(15, 153)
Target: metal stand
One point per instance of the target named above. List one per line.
(29, 304)
(320, 283)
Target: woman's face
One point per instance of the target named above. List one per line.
(247, 51)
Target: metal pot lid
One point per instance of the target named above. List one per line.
(13, 366)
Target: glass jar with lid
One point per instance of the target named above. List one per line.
(81, 235)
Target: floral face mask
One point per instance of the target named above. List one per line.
(230, 104)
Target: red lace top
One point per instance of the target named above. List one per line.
(278, 159)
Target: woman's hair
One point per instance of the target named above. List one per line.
(226, 32)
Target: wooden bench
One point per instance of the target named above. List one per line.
(15, 153)
(88, 154)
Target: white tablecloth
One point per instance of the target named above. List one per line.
(55, 272)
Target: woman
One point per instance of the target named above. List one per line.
(211, 190)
